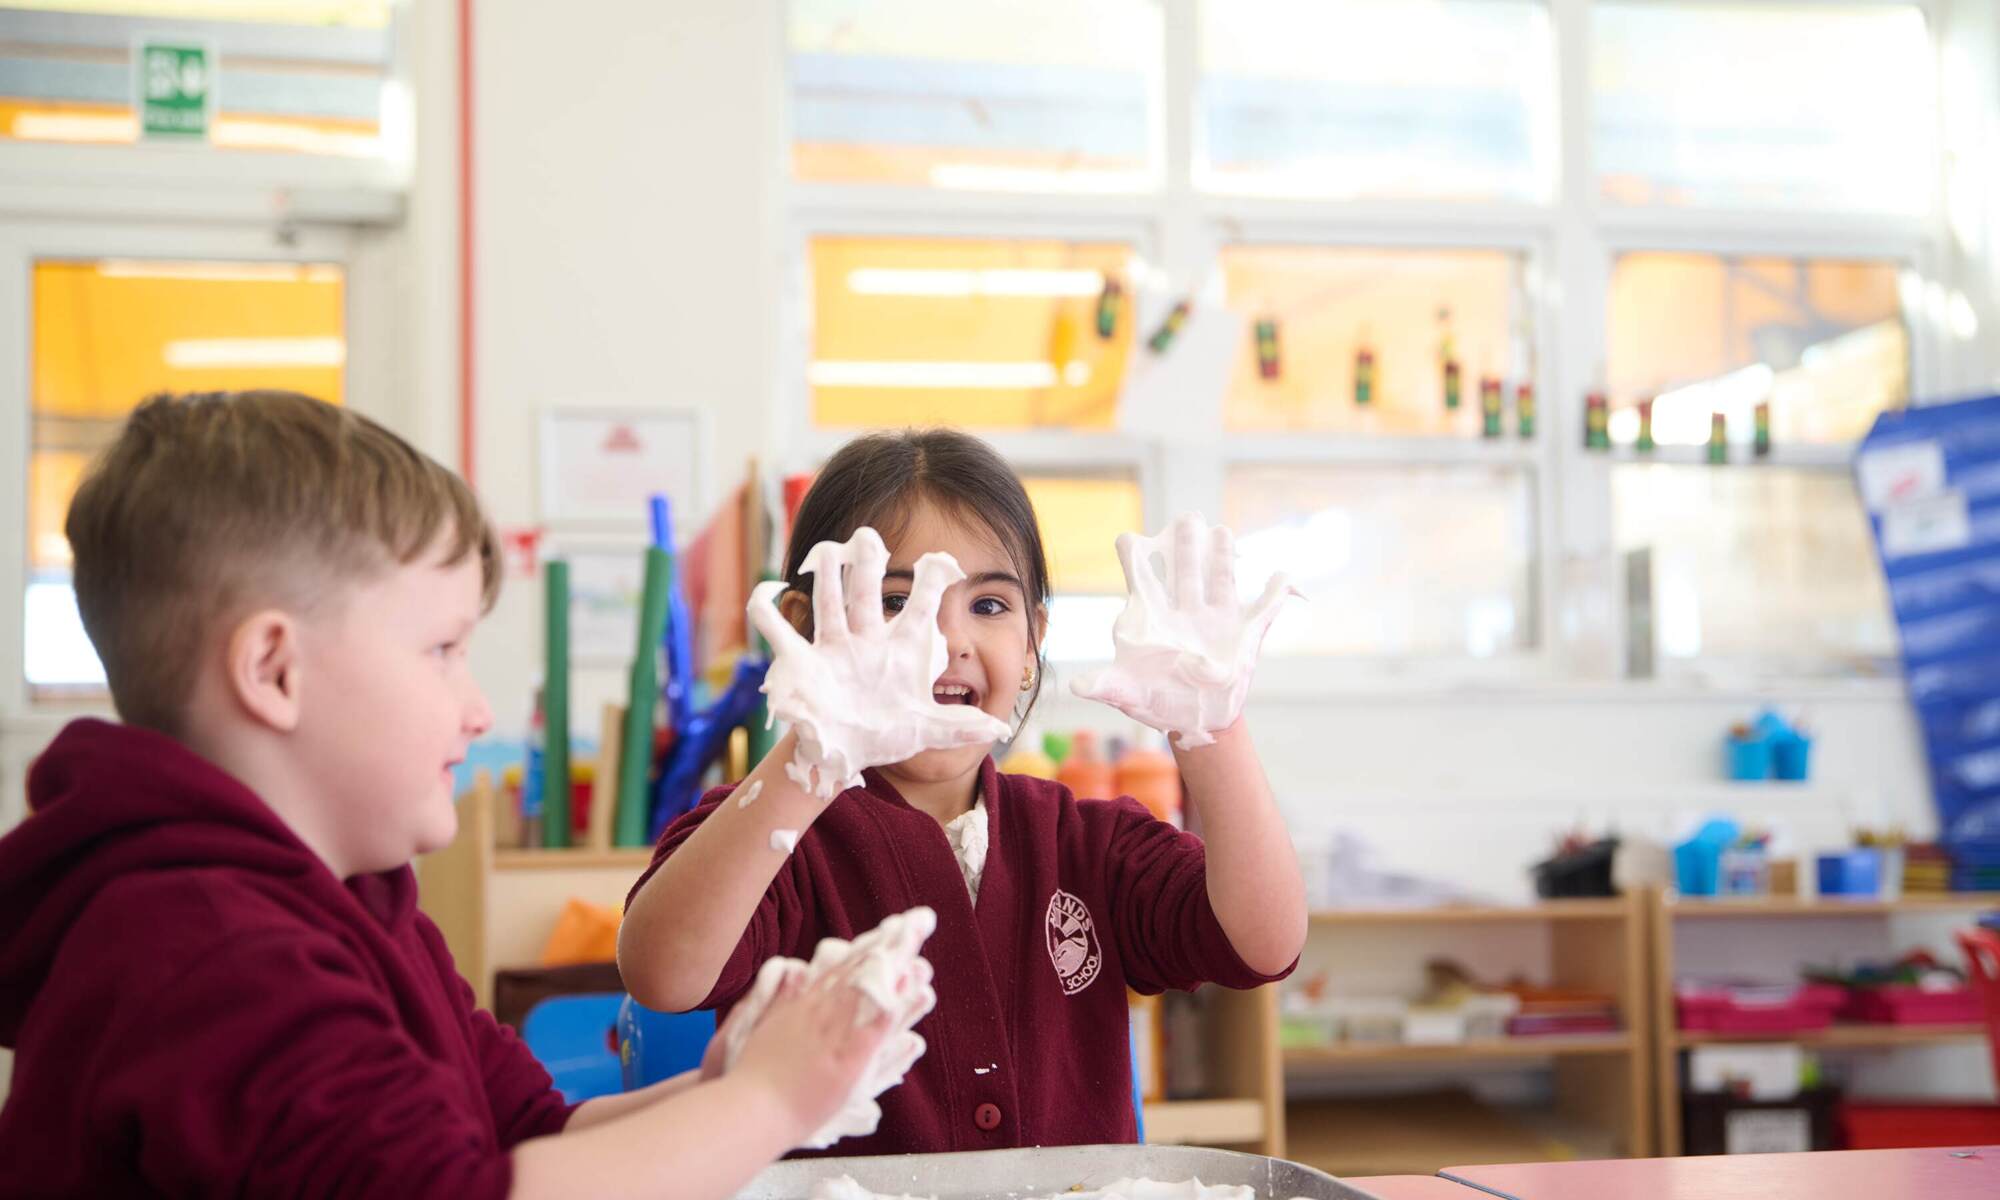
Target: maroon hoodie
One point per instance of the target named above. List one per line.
(198, 1007)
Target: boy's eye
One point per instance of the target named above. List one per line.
(892, 603)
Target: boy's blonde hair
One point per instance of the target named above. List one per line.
(209, 504)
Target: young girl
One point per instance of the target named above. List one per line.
(883, 795)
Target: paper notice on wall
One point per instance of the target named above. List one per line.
(1898, 474)
(1927, 526)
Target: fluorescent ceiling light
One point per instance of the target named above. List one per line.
(888, 281)
(219, 272)
(847, 373)
(211, 353)
(984, 178)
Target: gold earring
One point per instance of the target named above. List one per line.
(1027, 678)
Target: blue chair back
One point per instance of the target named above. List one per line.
(655, 1045)
(1138, 1093)
(573, 1037)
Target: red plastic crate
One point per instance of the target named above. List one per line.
(1907, 1004)
(1865, 1126)
(1726, 1008)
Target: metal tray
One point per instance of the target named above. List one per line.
(1049, 1171)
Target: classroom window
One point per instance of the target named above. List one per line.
(1394, 561)
(294, 76)
(107, 334)
(1821, 342)
(1771, 566)
(986, 333)
(1037, 95)
(1454, 99)
(1409, 312)
(1764, 106)
(1081, 517)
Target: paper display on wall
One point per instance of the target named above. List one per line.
(600, 466)
(605, 585)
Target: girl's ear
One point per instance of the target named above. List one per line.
(795, 606)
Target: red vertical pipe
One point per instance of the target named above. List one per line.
(466, 311)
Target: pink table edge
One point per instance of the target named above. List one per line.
(1941, 1173)
(1414, 1187)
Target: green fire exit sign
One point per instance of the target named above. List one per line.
(176, 90)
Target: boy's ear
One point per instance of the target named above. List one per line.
(265, 668)
(795, 606)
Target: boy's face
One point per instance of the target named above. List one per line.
(388, 707)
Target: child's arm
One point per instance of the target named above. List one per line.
(1253, 874)
(603, 1108)
(1186, 648)
(858, 695)
(684, 922)
(797, 1068)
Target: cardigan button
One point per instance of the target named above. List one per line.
(987, 1117)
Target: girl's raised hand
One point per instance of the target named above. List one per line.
(859, 694)
(1183, 656)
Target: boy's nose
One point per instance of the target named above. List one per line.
(478, 714)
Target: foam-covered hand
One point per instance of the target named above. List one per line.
(859, 694)
(887, 967)
(1182, 659)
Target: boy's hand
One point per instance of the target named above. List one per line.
(859, 694)
(812, 1046)
(1183, 661)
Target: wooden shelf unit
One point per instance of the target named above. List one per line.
(1476, 1051)
(497, 907)
(1949, 904)
(1603, 1101)
(1843, 1036)
(1667, 909)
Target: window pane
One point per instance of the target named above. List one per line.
(1760, 105)
(992, 94)
(109, 333)
(1774, 565)
(1397, 561)
(1453, 99)
(294, 76)
(1411, 310)
(986, 334)
(1081, 518)
(1823, 342)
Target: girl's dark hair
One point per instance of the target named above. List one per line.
(877, 480)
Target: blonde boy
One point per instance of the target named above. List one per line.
(213, 970)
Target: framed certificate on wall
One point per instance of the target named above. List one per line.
(600, 464)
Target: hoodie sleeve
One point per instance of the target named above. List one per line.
(291, 1077)
(519, 1091)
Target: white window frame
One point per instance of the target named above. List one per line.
(22, 244)
(1570, 243)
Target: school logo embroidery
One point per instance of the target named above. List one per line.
(1073, 945)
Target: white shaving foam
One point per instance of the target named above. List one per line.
(1183, 663)
(893, 974)
(860, 696)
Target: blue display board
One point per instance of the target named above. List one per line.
(1930, 478)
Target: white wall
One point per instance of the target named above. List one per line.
(626, 252)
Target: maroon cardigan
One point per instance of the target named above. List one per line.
(1029, 1044)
